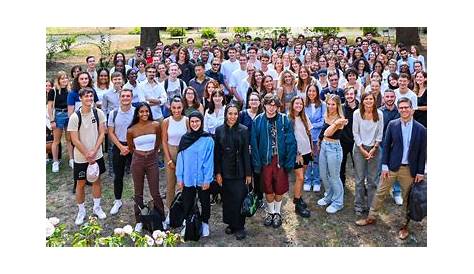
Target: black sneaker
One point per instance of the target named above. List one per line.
(301, 210)
(240, 235)
(303, 204)
(268, 219)
(228, 230)
(299, 201)
(276, 220)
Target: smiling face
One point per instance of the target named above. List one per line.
(143, 113)
(405, 110)
(368, 101)
(103, 77)
(254, 101)
(195, 123)
(389, 98)
(217, 99)
(312, 93)
(331, 107)
(232, 116)
(63, 82)
(420, 78)
(87, 99)
(176, 109)
(84, 79)
(271, 109)
(125, 97)
(298, 106)
(268, 83)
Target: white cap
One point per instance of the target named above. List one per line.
(93, 172)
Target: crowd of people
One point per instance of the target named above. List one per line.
(239, 116)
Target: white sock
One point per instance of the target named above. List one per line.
(277, 207)
(82, 207)
(96, 202)
(271, 207)
(116, 201)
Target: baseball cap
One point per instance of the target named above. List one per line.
(323, 72)
(92, 172)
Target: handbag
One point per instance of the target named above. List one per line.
(193, 227)
(177, 211)
(150, 217)
(417, 202)
(249, 205)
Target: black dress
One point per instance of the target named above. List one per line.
(232, 161)
(422, 116)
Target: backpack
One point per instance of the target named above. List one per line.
(417, 202)
(151, 218)
(96, 116)
(193, 224)
(181, 85)
(177, 211)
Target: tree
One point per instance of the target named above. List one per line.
(408, 36)
(149, 36)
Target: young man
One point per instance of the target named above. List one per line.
(227, 68)
(118, 122)
(404, 159)
(405, 58)
(152, 92)
(91, 68)
(347, 138)
(238, 76)
(132, 84)
(365, 49)
(87, 138)
(265, 60)
(205, 59)
(252, 54)
(390, 112)
(273, 154)
(404, 91)
(132, 62)
(267, 49)
(333, 87)
(282, 42)
(199, 82)
(173, 86)
(226, 47)
(215, 73)
(190, 43)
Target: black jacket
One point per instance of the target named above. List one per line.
(347, 134)
(231, 152)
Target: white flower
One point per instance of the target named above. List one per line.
(156, 234)
(159, 241)
(162, 234)
(149, 240)
(54, 220)
(128, 229)
(119, 231)
(49, 229)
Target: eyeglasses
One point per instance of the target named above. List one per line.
(215, 64)
(400, 108)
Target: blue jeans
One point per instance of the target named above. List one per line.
(396, 190)
(311, 177)
(365, 169)
(330, 158)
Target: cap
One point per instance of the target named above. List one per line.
(92, 172)
(323, 72)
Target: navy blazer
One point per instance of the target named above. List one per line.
(393, 147)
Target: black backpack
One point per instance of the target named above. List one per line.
(177, 211)
(96, 116)
(150, 217)
(193, 225)
(417, 202)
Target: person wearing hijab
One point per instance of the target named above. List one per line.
(233, 171)
(195, 168)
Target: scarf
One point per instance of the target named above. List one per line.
(189, 138)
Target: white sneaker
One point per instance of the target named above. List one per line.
(115, 209)
(138, 227)
(322, 202)
(71, 163)
(99, 212)
(316, 188)
(205, 229)
(80, 217)
(55, 167)
(306, 187)
(330, 209)
(398, 200)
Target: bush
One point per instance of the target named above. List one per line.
(52, 48)
(135, 31)
(208, 33)
(242, 30)
(66, 42)
(176, 31)
(326, 31)
(371, 30)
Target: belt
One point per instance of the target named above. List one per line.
(145, 153)
(61, 109)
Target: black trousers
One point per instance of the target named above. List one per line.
(233, 194)
(257, 186)
(189, 196)
(119, 162)
(346, 149)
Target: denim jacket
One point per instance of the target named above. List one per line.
(261, 142)
(317, 119)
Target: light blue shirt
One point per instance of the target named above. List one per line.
(195, 165)
(406, 135)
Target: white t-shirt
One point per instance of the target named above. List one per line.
(410, 95)
(212, 121)
(227, 68)
(100, 92)
(302, 139)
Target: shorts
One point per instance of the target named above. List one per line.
(306, 159)
(274, 178)
(80, 169)
(61, 119)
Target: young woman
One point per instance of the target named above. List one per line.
(75, 71)
(267, 85)
(120, 67)
(278, 66)
(58, 114)
(332, 67)
(191, 102)
(420, 90)
(186, 68)
(372, 59)
(304, 80)
(256, 83)
(141, 75)
(49, 86)
(246, 117)
(195, 168)
(376, 91)
(232, 168)
(302, 130)
(173, 129)
(367, 127)
(148, 55)
(363, 69)
(393, 81)
(210, 86)
(414, 50)
(287, 90)
(323, 63)
(330, 155)
(352, 78)
(214, 116)
(162, 73)
(103, 84)
(296, 65)
(119, 56)
(143, 139)
(315, 110)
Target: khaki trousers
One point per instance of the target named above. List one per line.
(406, 180)
(171, 176)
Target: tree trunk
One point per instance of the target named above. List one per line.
(408, 36)
(149, 37)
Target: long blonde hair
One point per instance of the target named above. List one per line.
(57, 86)
(337, 100)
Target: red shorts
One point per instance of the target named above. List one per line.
(274, 178)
